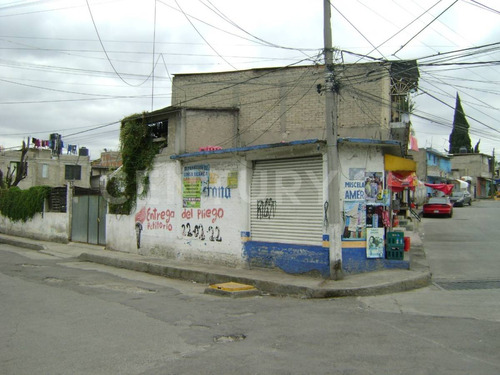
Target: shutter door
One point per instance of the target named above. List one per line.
(286, 201)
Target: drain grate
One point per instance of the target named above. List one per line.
(468, 284)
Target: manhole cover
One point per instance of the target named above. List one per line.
(468, 284)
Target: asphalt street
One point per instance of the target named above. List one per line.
(61, 316)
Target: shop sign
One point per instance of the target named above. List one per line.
(374, 242)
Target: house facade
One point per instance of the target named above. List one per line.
(243, 177)
(68, 173)
(109, 162)
(477, 169)
(45, 168)
(433, 167)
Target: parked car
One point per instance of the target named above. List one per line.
(438, 206)
(461, 198)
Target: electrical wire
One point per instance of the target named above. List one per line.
(202, 37)
(355, 28)
(106, 53)
(425, 27)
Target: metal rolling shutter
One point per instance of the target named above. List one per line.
(286, 201)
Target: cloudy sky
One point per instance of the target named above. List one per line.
(77, 67)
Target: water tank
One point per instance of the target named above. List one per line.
(83, 151)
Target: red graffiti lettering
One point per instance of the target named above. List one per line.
(155, 215)
(207, 213)
(154, 225)
(187, 213)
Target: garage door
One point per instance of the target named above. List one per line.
(286, 201)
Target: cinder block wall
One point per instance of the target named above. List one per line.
(283, 104)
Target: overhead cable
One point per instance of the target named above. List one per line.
(426, 26)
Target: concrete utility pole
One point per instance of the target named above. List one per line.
(333, 230)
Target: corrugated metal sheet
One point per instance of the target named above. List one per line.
(287, 201)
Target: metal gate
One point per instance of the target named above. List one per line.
(88, 222)
(286, 202)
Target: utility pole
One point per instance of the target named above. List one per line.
(333, 211)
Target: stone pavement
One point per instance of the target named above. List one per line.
(272, 282)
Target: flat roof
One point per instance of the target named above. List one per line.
(245, 149)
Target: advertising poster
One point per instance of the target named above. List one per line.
(195, 179)
(374, 242)
(374, 186)
(355, 219)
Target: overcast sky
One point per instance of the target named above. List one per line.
(78, 67)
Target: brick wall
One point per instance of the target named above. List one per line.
(283, 104)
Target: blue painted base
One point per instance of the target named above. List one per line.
(354, 261)
(294, 259)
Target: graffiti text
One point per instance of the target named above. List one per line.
(266, 209)
(198, 232)
(217, 192)
(203, 213)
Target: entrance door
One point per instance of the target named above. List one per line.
(88, 223)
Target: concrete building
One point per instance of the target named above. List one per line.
(433, 167)
(45, 168)
(109, 162)
(478, 170)
(242, 179)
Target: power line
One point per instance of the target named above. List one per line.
(355, 28)
(426, 26)
(202, 37)
(106, 53)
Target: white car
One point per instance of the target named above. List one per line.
(461, 198)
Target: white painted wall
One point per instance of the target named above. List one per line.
(51, 226)
(168, 228)
(164, 220)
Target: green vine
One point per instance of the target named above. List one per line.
(138, 153)
(22, 205)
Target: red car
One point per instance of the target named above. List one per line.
(438, 206)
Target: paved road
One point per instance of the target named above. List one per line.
(60, 316)
(464, 256)
(466, 247)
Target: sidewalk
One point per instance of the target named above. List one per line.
(273, 282)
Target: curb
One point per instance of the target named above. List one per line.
(422, 279)
(23, 244)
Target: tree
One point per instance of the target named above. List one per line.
(15, 175)
(459, 137)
